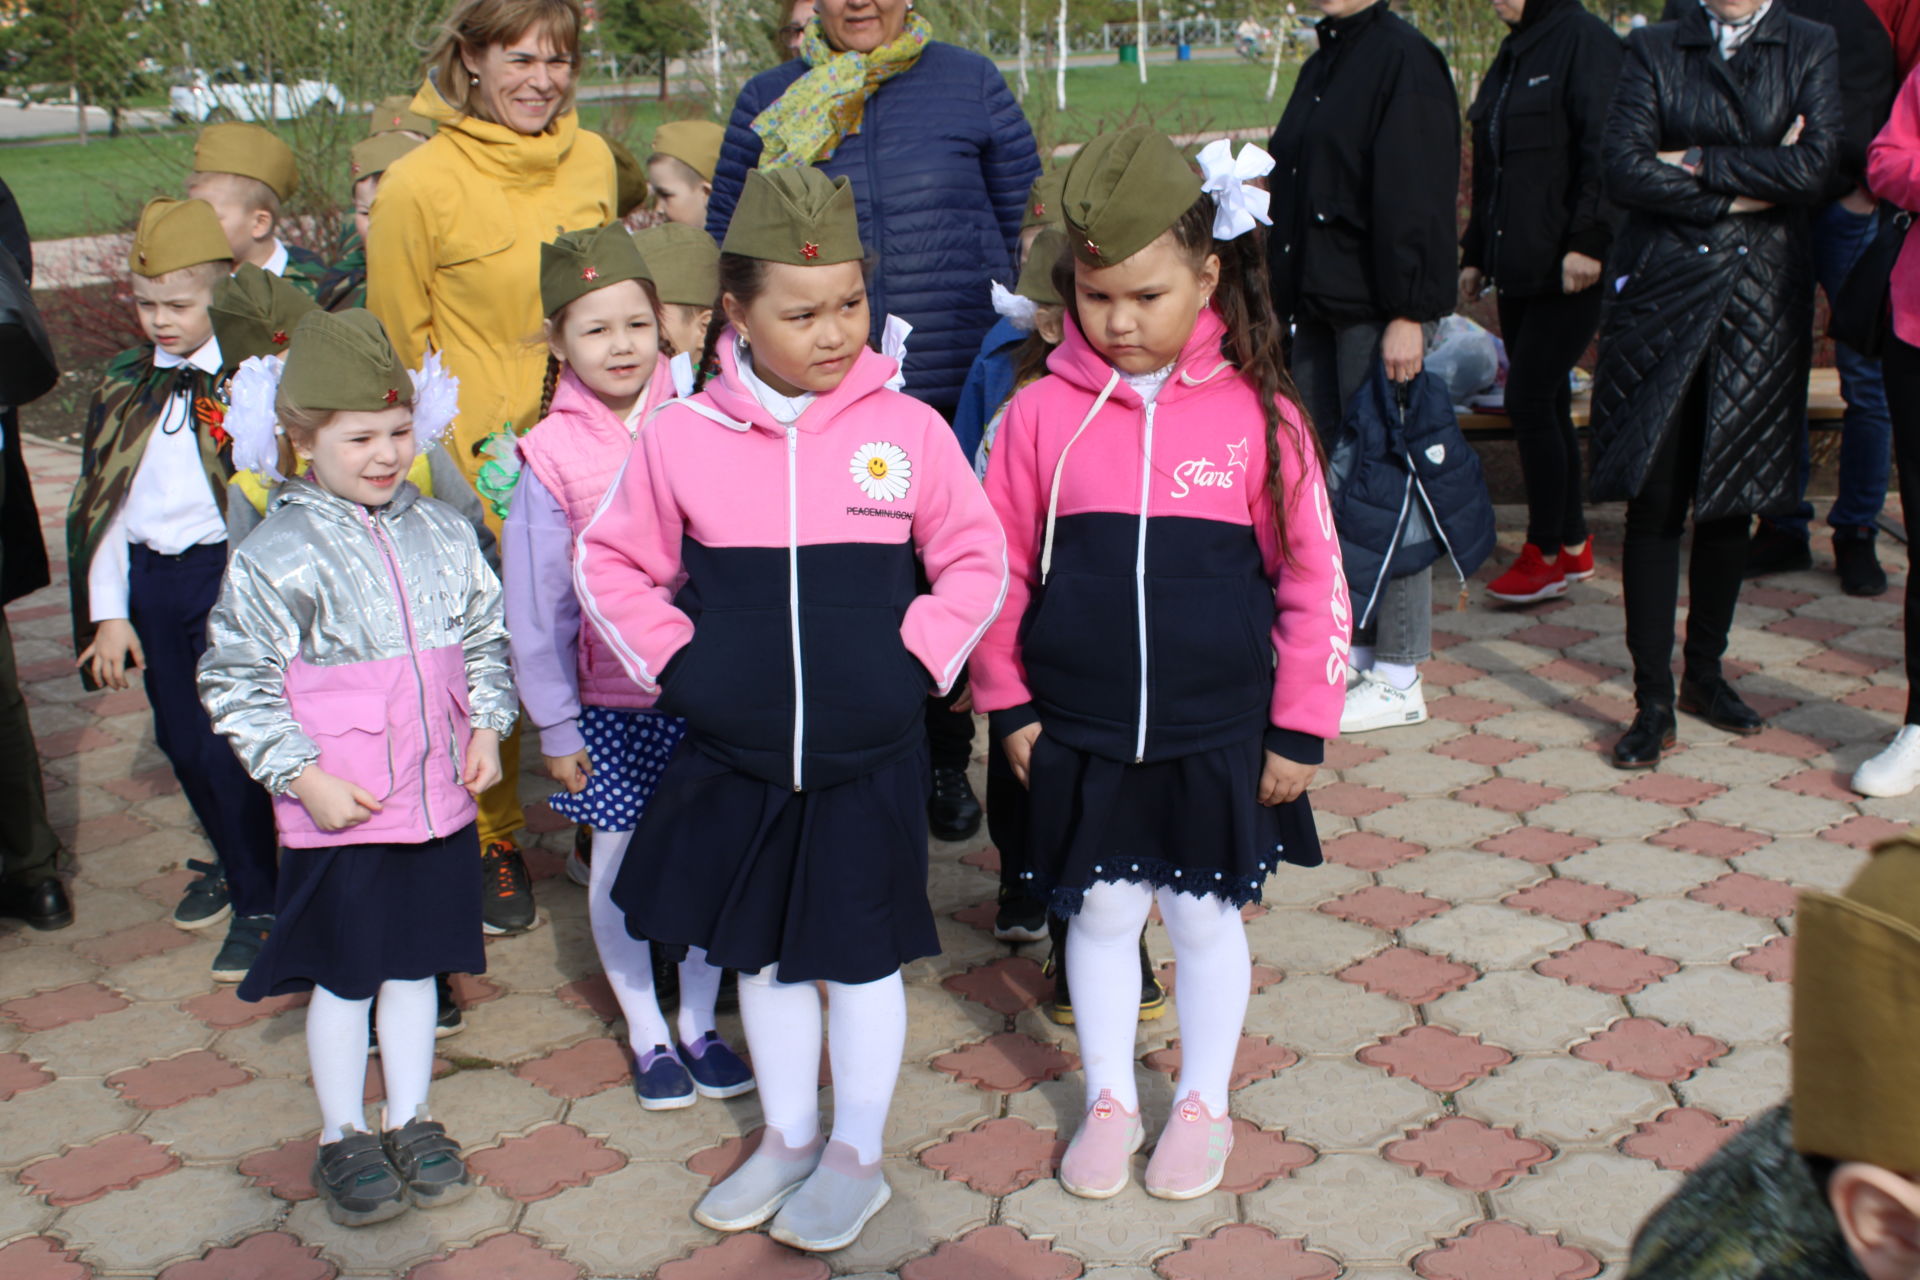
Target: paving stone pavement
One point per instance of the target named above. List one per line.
(1525, 994)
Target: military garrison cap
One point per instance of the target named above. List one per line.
(374, 155)
(685, 263)
(250, 151)
(1122, 191)
(395, 114)
(175, 234)
(694, 143)
(579, 262)
(255, 313)
(342, 361)
(1043, 201)
(797, 215)
(1036, 277)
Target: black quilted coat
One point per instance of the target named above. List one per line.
(1727, 296)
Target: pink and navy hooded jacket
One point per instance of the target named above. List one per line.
(763, 577)
(569, 462)
(1152, 614)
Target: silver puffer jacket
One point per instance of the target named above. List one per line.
(371, 641)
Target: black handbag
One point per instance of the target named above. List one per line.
(27, 366)
(1860, 314)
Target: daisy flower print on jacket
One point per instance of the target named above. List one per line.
(882, 471)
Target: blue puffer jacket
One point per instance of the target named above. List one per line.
(940, 169)
(989, 383)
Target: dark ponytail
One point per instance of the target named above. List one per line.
(547, 388)
(744, 278)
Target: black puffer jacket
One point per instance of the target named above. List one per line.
(1536, 124)
(1728, 296)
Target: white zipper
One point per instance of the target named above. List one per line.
(793, 597)
(384, 545)
(1140, 585)
(1399, 528)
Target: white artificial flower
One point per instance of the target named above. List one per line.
(882, 471)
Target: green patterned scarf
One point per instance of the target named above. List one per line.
(806, 123)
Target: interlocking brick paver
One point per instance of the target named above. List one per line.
(1006, 1063)
(1368, 851)
(1568, 900)
(1650, 1048)
(1317, 1013)
(1593, 1196)
(1489, 1249)
(545, 1162)
(1467, 1154)
(1132, 1228)
(172, 1081)
(1607, 967)
(18, 1074)
(1680, 1139)
(1491, 937)
(1692, 932)
(1644, 870)
(1410, 975)
(1772, 960)
(998, 1157)
(1435, 1057)
(89, 1172)
(1732, 1004)
(1361, 1208)
(1566, 1100)
(167, 1219)
(522, 1258)
(1384, 908)
(270, 1255)
(1244, 1250)
(1336, 1104)
(1536, 844)
(50, 1009)
(41, 1258)
(1523, 1011)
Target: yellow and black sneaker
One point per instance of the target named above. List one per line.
(1153, 996)
(1059, 1007)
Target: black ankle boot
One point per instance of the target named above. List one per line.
(953, 811)
(1713, 700)
(1650, 735)
(1858, 566)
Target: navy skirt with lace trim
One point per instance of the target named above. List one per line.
(1194, 824)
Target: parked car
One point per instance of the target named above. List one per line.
(226, 98)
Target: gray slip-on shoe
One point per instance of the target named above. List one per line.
(830, 1208)
(755, 1191)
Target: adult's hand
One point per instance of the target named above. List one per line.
(1403, 348)
(1472, 284)
(1578, 273)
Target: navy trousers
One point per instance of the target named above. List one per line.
(169, 598)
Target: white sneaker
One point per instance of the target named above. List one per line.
(1372, 703)
(1896, 770)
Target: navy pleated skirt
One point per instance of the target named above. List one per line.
(827, 885)
(349, 917)
(1194, 824)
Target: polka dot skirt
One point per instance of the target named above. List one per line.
(628, 750)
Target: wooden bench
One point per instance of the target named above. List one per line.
(1824, 407)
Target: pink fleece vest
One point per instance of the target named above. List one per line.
(577, 452)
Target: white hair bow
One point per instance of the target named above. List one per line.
(1237, 206)
(250, 419)
(893, 343)
(1012, 307)
(436, 399)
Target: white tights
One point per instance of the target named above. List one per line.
(628, 960)
(867, 1033)
(337, 1054)
(1213, 976)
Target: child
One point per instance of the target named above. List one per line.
(146, 545)
(684, 263)
(680, 169)
(246, 173)
(1170, 537)
(604, 379)
(345, 285)
(395, 114)
(756, 564)
(358, 665)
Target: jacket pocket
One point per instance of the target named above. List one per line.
(864, 689)
(735, 682)
(459, 725)
(1206, 661)
(351, 731)
(1081, 649)
(1335, 264)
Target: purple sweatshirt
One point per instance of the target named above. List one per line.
(543, 617)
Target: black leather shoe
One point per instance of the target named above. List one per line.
(1649, 736)
(953, 811)
(1775, 550)
(1858, 566)
(1714, 701)
(43, 906)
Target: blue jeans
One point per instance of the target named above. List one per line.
(1866, 429)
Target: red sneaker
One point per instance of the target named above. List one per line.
(1531, 578)
(1577, 565)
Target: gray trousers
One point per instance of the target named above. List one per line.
(1329, 366)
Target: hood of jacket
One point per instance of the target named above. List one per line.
(506, 155)
(729, 394)
(1076, 361)
(1538, 11)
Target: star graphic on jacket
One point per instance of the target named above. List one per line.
(1237, 454)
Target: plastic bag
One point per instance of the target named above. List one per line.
(1465, 356)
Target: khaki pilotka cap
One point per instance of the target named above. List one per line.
(578, 262)
(629, 178)
(1043, 202)
(342, 360)
(174, 234)
(1122, 190)
(1856, 1038)
(373, 156)
(685, 263)
(1036, 277)
(250, 151)
(255, 313)
(396, 114)
(694, 143)
(796, 215)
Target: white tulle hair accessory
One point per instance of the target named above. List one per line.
(1010, 306)
(893, 344)
(436, 399)
(251, 421)
(1237, 206)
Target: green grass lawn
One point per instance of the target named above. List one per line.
(66, 189)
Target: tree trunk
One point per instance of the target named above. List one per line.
(1025, 49)
(1281, 35)
(1060, 60)
(80, 105)
(1140, 36)
(666, 85)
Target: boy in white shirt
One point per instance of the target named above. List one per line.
(246, 173)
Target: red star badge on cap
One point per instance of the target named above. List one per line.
(1093, 250)
(810, 250)
(354, 165)
(396, 122)
(591, 273)
(279, 337)
(143, 257)
(1039, 209)
(393, 396)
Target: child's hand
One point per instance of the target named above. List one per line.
(1019, 748)
(114, 652)
(965, 701)
(483, 762)
(333, 803)
(1283, 780)
(571, 771)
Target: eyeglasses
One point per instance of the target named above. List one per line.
(792, 30)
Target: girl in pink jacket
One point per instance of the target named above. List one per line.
(758, 564)
(1173, 651)
(600, 738)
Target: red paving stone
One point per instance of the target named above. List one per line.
(1772, 960)
(1669, 788)
(1503, 1251)
(119, 703)
(271, 1255)
(471, 990)
(541, 819)
(1605, 708)
(1750, 894)
(1257, 1058)
(509, 1257)
(1241, 1250)
(1651, 1049)
(1878, 697)
(286, 1171)
(579, 1071)
(592, 994)
(1463, 710)
(1607, 967)
(1680, 1139)
(1367, 851)
(71, 742)
(113, 1163)
(987, 860)
(1548, 635)
(41, 1258)
(1006, 1063)
(1775, 597)
(1410, 975)
(144, 786)
(223, 1010)
(155, 938)
(1538, 845)
(1345, 753)
(1569, 900)
(545, 1162)
(1467, 1154)
(1385, 908)
(1447, 673)
(1509, 795)
(1784, 742)
(1576, 671)
(1008, 986)
(1826, 784)
(1260, 1156)
(20, 1074)
(1483, 749)
(1709, 839)
(1351, 800)
(997, 1157)
(1264, 976)
(1845, 662)
(97, 835)
(167, 887)
(986, 1253)
(1437, 1058)
(172, 1081)
(1862, 832)
(64, 1005)
(1819, 629)
(716, 1163)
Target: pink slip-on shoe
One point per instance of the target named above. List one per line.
(1191, 1156)
(1099, 1160)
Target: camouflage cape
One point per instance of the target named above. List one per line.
(346, 284)
(1754, 1211)
(306, 270)
(129, 401)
